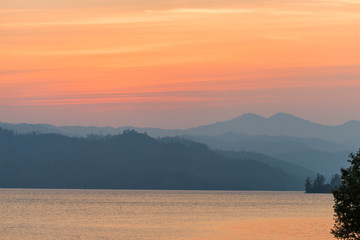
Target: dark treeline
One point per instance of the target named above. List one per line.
(318, 185)
(128, 161)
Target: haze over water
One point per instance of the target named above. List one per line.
(148, 214)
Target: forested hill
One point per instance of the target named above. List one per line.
(128, 161)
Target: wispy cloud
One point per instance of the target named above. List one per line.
(13, 72)
(210, 88)
(341, 1)
(140, 16)
(104, 98)
(206, 10)
(98, 51)
(90, 21)
(272, 11)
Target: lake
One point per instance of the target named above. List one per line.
(38, 214)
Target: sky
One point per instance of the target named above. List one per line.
(178, 64)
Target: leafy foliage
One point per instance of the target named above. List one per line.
(347, 202)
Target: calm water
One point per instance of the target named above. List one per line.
(130, 214)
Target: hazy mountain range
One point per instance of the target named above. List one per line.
(319, 155)
(283, 137)
(280, 124)
(130, 161)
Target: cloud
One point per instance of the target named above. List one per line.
(139, 16)
(212, 88)
(230, 11)
(341, 1)
(96, 51)
(92, 21)
(12, 72)
(206, 10)
(9, 73)
(113, 97)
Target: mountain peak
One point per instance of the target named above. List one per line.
(282, 115)
(351, 123)
(251, 116)
(246, 117)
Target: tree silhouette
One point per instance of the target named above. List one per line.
(319, 182)
(318, 185)
(347, 202)
(308, 185)
(335, 181)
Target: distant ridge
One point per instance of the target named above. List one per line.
(279, 124)
(130, 161)
(318, 147)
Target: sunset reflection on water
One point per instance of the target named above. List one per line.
(163, 215)
(272, 228)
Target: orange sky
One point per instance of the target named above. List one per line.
(177, 64)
